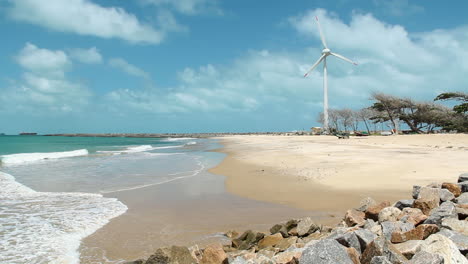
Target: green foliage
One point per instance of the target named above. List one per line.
(458, 96)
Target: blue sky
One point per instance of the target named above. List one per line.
(216, 66)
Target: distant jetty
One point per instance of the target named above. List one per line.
(174, 135)
(28, 134)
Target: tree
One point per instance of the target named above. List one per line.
(387, 108)
(346, 117)
(458, 96)
(365, 115)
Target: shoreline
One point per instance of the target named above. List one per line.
(327, 174)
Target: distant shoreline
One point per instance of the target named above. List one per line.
(170, 135)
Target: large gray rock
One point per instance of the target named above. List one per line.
(306, 226)
(389, 227)
(389, 214)
(382, 247)
(416, 189)
(443, 246)
(174, 254)
(409, 248)
(463, 177)
(365, 237)
(347, 239)
(446, 195)
(412, 215)
(423, 257)
(456, 225)
(463, 186)
(404, 203)
(366, 203)
(380, 260)
(459, 239)
(429, 193)
(327, 251)
(369, 223)
(446, 209)
(463, 198)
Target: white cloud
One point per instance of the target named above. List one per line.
(44, 86)
(43, 60)
(84, 17)
(90, 56)
(128, 68)
(392, 60)
(188, 7)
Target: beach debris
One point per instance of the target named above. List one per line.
(432, 228)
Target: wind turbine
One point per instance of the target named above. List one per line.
(325, 53)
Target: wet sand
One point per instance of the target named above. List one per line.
(191, 211)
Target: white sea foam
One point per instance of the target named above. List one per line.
(33, 157)
(133, 149)
(191, 143)
(45, 227)
(177, 139)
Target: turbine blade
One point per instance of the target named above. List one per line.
(343, 58)
(315, 65)
(322, 37)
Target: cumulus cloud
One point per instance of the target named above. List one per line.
(89, 56)
(391, 60)
(44, 86)
(128, 68)
(84, 17)
(188, 7)
(43, 60)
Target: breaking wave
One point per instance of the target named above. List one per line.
(34, 157)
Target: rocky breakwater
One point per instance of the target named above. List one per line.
(430, 228)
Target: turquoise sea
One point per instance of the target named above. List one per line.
(51, 188)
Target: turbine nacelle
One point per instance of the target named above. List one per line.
(326, 51)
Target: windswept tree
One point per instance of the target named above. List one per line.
(387, 108)
(458, 96)
(458, 118)
(365, 115)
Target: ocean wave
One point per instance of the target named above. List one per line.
(33, 157)
(191, 143)
(177, 139)
(133, 149)
(46, 227)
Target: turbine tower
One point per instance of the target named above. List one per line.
(325, 53)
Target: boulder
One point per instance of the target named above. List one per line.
(445, 210)
(462, 210)
(247, 240)
(279, 228)
(412, 215)
(354, 217)
(423, 257)
(174, 254)
(293, 231)
(463, 198)
(460, 240)
(441, 245)
(452, 187)
(313, 236)
(268, 252)
(426, 205)
(238, 260)
(306, 226)
(291, 224)
(429, 193)
(404, 204)
(365, 237)
(270, 240)
(353, 255)
(366, 203)
(445, 195)
(214, 254)
(369, 223)
(373, 211)
(409, 248)
(231, 234)
(380, 260)
(456, 225)
(286, 243)
(377, 229)
(287, 257)
(416, 189)
(463, 177)
(348, 239)
(419, 233)
(389, 227)
(381, 247)
(389, 214)
(327, 251)
(463, 186)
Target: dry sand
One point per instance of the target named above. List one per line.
(326, 173)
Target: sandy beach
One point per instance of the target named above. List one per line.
(326, 173)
